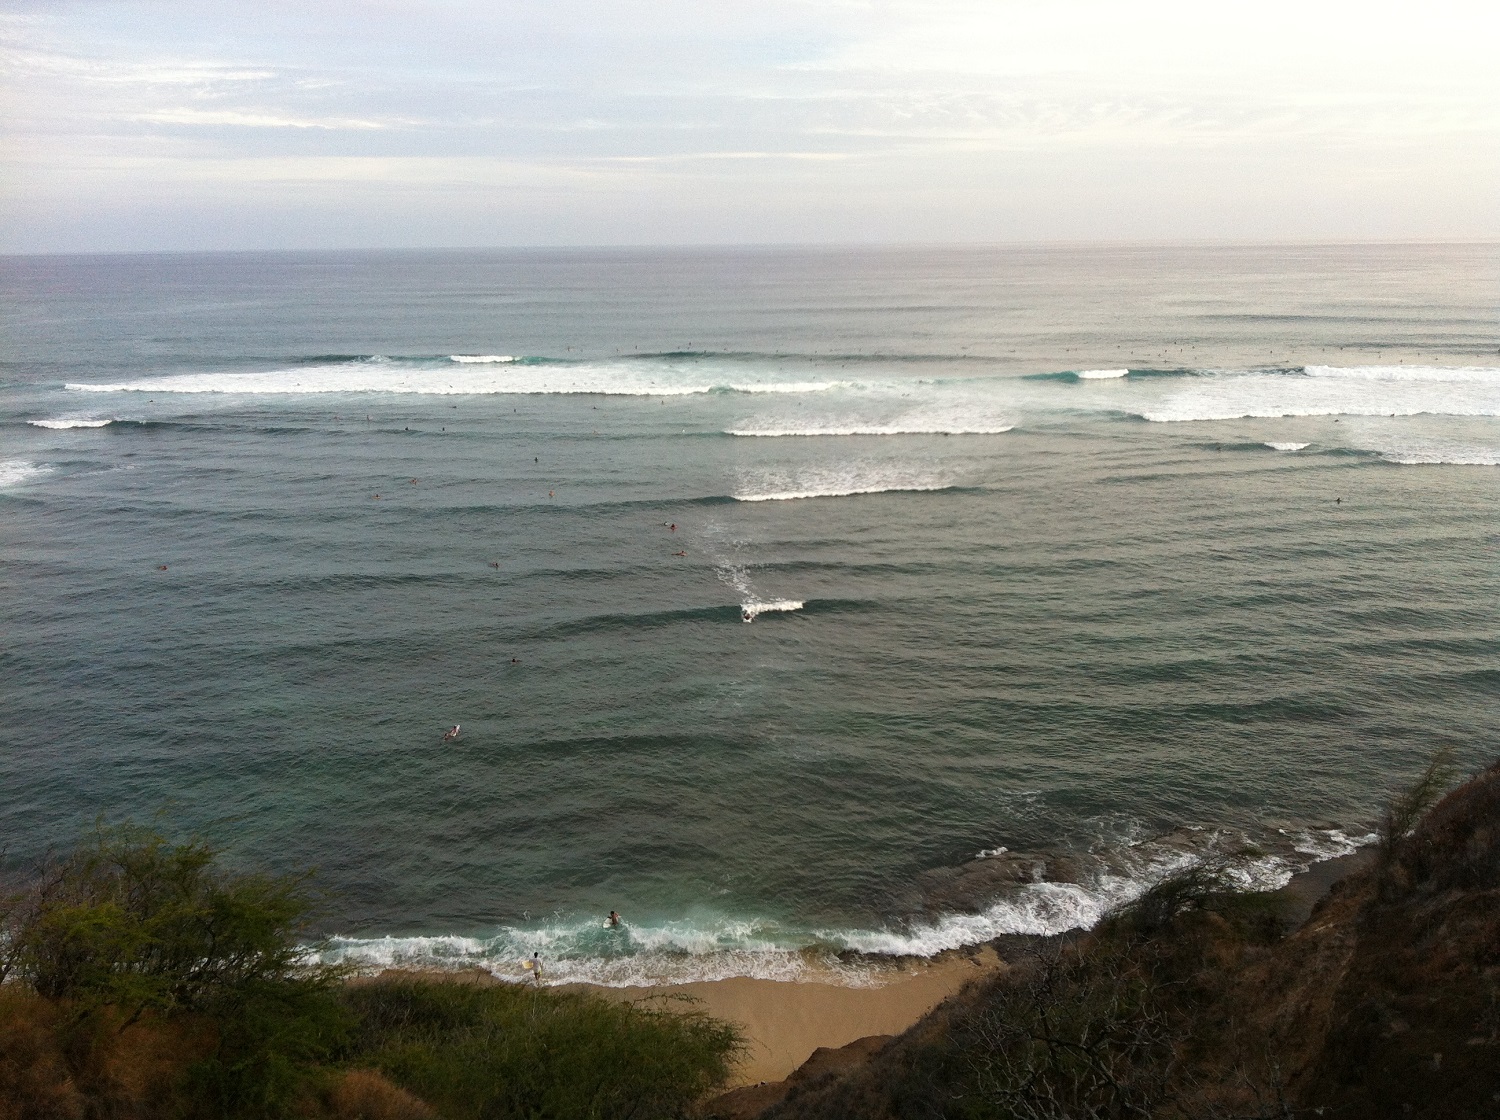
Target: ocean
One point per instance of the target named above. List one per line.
(809, 607)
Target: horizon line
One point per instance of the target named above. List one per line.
(750, 246)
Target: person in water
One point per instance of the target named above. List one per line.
(451, 734)
(535, 964)
(613, 920)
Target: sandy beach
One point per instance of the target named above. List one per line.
(784, 1021)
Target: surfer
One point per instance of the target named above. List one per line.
(451, 734)
(535, 964)
(613, 920)
(746, 616)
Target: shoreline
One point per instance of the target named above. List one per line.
(784, 1021)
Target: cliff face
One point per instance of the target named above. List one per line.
(1385, 1002)
(1411, 960)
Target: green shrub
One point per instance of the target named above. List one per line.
(496, 1053)
(132, 925)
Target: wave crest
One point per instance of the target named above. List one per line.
(675, 952)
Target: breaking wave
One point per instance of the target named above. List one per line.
(872, 430)
(716, 948)
(1331, 391)
(475, 375)
(835, 492)
(17, 472)
(836, 482)
(753, 608)
(69, 423)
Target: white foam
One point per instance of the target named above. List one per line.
(871, 430)
(380, 375)
(716, 948)
(632, 956)
(1328, 843)
(834, 492)
(18, 472)
(1328, 391)
(69, 423)
(1100, 374)
(836, 481)
(1274, 446)
(480, 359)
(752, 608)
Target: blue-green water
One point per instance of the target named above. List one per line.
(1003, 595)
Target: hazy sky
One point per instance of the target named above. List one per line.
(158, 125)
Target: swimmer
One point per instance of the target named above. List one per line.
(161, 567)
(613, 920)
(413, 482)
(451, 734)
(673, 527)
(515, 660)
(549, 493)
(746, 616)
(679, 554)
(494, 563)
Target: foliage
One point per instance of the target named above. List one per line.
(134, 920)
(132, 927)
(494, 1053)
(1405, 809)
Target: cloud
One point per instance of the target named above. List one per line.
(236, 119)
(896, 115)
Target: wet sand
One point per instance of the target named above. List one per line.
(784, 1022)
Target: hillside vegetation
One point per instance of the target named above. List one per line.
(138, 979)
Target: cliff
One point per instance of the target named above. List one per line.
(1198, 1002)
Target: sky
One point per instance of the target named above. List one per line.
(157, 125)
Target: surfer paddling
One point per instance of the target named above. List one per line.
(451, 734)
